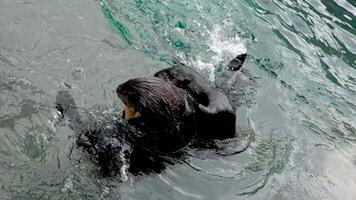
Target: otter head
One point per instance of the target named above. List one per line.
(160, 110)
(151, 99)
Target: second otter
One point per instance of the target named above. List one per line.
(215, 116)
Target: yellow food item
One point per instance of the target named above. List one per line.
(130, 112)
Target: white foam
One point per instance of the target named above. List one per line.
(68, 184)
(205, 67)
(224, 49)
(125, 163)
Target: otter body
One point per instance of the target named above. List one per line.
(216, 118)
(215, 115)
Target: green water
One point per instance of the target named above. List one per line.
(302, 108)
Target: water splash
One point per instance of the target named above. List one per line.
(162, 30)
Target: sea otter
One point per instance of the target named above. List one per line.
(162, 115)
(215, 116)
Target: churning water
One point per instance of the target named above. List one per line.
(301, 108)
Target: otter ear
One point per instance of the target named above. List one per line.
(236, 63)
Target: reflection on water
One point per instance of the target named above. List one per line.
(301, 109)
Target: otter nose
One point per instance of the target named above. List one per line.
(118, 89)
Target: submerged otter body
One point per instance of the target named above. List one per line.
(114, 144)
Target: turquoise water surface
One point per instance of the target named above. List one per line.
(301, 108)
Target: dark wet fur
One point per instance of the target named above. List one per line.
(213, 105)
(167, 112)
(215, 115)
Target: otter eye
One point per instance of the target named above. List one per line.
(130, 112)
